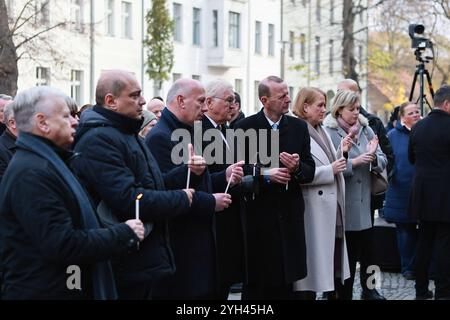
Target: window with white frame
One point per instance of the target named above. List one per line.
(234, 30)
(318, 11)
(302, 45)
(291, 44)
(126, 20)
(238, 85)
(258, 36)
(256, 96)
(196, 19)
(331, 58)
(178, 22)
(42, 76)
(76, 15)
(331, 11)
(317, 60)
(215, 26)
(45, 12)
(176, 76)
(196, 77)
(109, 17)
(271, 39)
(291, 92)
(76, 86)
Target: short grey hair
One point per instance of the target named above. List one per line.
(343, 98)
(5, 97)
(8, 113)
(217, 87)
(31, 101)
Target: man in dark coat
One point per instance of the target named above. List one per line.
(429, 151)
(4, 100)
(275, 225)
(376, 201)
(116, 167)
(51, 243)
(193, 236)
(230, 223)
(7, 140)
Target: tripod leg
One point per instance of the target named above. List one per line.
(411, 94)
(430, 84)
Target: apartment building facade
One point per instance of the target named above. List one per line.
(241, 41)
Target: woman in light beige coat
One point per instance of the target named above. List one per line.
(324, 197)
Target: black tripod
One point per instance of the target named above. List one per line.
(421, 71)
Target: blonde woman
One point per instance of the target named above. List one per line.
(364, 155)
(327, 259)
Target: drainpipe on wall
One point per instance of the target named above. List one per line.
(92, 47)
(142, 48)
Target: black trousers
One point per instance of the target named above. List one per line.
(136, 292)
(357, 243)
(367, 255)
(433, 235)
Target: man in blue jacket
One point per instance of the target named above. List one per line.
(116, 167)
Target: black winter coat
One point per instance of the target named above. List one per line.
(7, 150)
(192, 236)
(41, 234)
(275, 223)
(115, 166)
(429, 151)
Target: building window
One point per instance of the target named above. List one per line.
(258, 37)
(304, 3)
(42, 76)
(76, 15)
(318, 11)
(360, 9)
(238, 85)
(331, 58)
(256, 95)
(178, 22)
(317, 64)
(196, 26)
(215, 28)
(109, 20)
(45, 12)
(291, 44)
(76, 86)
(291, 92)
(360, 57)
(126, 20)
(331, 11)
(271, 37)
(302, 45)
(196, 77)
(176, 76)
(234, 30)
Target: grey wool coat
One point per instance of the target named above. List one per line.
(357, 179)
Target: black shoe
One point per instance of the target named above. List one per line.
(409, 276)
(371, 294)
(426, 296)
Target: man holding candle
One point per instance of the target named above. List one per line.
(47, 224)
(116, 166)
(193, 236)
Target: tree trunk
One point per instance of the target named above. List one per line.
(348, 42)
(8, 55)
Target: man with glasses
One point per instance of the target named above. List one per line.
(229, 224)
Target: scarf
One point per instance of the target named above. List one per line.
(353, 130)
(102, 275)
(319, 136)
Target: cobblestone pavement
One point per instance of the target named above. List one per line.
(393, 286)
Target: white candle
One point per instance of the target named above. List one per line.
(139, 196)
(229, 181)
(188, 178)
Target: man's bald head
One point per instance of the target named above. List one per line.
(111, 81)
(156, 106)
(348, 84)
(181, 87)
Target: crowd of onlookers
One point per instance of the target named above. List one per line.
(96, 189)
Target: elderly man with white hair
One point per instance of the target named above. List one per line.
(4, 100)
(52, 245)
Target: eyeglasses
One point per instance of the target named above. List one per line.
(229, 100)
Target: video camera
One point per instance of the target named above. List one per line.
(420, 43)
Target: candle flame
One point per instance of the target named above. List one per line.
(139, 196)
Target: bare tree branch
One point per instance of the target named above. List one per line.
(39, 33)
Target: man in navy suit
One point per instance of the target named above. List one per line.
(275, 226)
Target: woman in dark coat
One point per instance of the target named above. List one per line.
(400, 186)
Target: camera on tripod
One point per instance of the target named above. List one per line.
(420, 43)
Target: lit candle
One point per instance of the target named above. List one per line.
(188, 178)
(139, 196)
